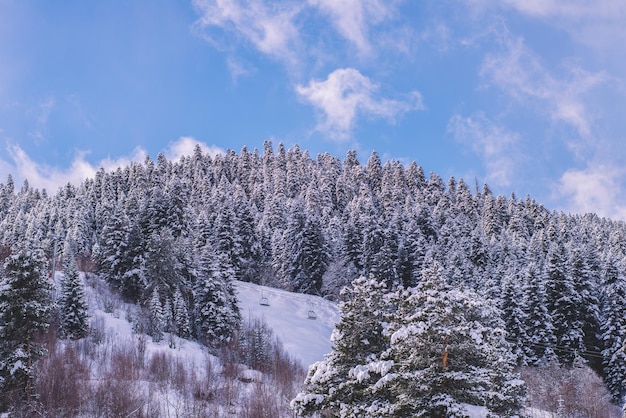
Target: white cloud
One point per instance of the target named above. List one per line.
(41, 176)
(519, 73)
(269, 26)
(493, 143)
(345, 94)
(595, 189)
(185, 146)
(353, 18)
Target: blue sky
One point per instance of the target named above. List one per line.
(526, 95)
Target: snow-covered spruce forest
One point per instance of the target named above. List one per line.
(409, 249)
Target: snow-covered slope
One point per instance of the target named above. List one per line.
(288, 315)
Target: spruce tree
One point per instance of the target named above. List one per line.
(216, 314)
(613, 328)
(334, 385)
(181, 315)
(25, 308)
(424, 352)
(156, 316)
(539, 323)
(306, 255)
(72, 304)
(447, 349)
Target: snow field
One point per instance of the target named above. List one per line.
(306, 339)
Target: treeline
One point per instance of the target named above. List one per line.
(175, 234)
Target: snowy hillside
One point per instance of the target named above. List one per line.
(288, 315)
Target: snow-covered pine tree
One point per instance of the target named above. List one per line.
(564, 302)
(306, 251)
(447, 349)
(115, 252)
(539, 323)
(425, 351)
(25, 308)
(582, 337)
(156, 316)
(513, 313)
(247, 250)
(613, 328)
(334, 384)
(216, 313)
(181, 315)
(73, 305)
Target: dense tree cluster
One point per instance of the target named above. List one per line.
(427, 351)
(181, 231)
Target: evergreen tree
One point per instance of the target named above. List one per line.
(447, 348)
(422, 352)
(583, 335)
(247, 250)
(613, 328)
(25, 308)
(334, 384)
(72, 304)
(539, 324)
(181, 315)
(306, 252)
(117, 252)
(161, 265)
(374, 170)
(216, 314)
(564, 304)
(156, 316)
(513, 314)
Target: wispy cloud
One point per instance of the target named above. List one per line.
(571, 9)
(494, 144)
(353, 18)
(238, 69)
(42, 113)
(594, 189)
(345, 95)
(518, 72)
(268, 26)
(596, 25)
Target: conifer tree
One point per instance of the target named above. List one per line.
(334, 384)
(72, 304)
(216, 314)
(539, 324)
(613, 328)
(181, 315)
(447, 348)
(564, 303)
(156, 316)
(25, 308)
(425, 351)
(306, 255)
(513, 314)
(582, 336)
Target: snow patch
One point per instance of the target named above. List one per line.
(287, 314)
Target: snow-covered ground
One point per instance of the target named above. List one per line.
(288, 315)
